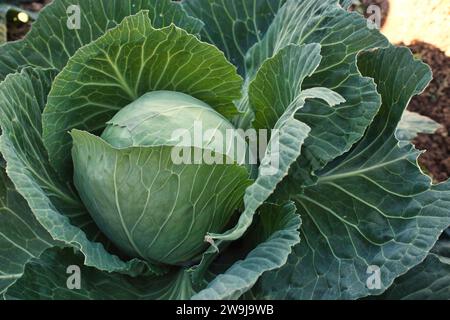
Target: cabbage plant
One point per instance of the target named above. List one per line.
(89, 102)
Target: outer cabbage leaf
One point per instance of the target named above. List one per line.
(22, 238)
(46, 278)
(430, 280)
(122, 65)
(278, 82)
(55, 205)
(275, 232)
(288, 133)
(373, 206)
(412, 124)
(342, 36)
(51, 42)
(234, 26)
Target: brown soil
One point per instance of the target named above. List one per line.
(434, 103)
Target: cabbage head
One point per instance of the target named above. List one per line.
(136, 195)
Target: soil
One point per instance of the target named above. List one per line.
(434, 103)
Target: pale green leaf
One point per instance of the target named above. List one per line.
(412, 124)
(131, 204)
(329, 96)
(279, 82)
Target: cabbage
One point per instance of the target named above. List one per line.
(138, 197)
(114, 166)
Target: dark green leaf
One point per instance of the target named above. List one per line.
(373, 206)
(47, 278)
(234, 26)
(430, 280)
(51, 42)
(342, 36)
(277, 228)
(21, 236)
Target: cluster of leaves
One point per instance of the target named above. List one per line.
(348, 193)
